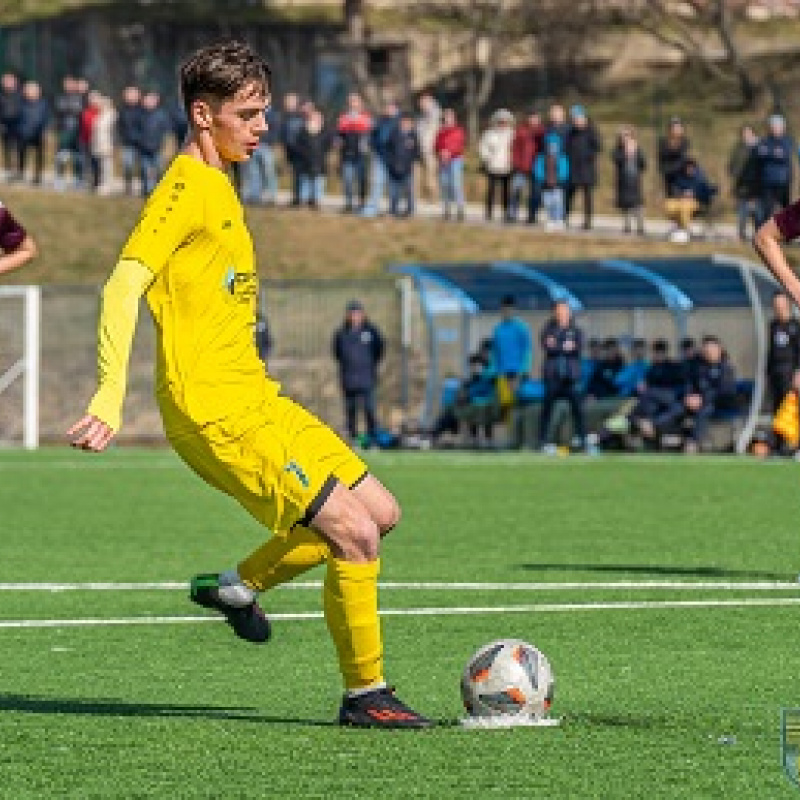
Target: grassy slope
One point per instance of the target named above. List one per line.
(185, 711)
(80, 238)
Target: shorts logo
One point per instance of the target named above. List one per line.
(295, 469)
(790, 743)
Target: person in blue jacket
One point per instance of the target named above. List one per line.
(631, 378)
(512, 351)
(551, 174)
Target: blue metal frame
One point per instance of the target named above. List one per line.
(468, 307)
(674, 298)
(556, 290)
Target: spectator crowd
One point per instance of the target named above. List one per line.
(537, 167)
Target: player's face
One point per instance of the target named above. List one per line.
(237, 124)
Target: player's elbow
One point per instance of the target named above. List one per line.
(30, 248)
(765, 237)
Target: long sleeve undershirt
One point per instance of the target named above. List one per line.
(119, 310)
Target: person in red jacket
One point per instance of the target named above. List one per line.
(525, 146)
(86, 125)
(449, 148)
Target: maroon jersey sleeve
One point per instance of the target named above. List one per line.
(12, 234)
(788, 221)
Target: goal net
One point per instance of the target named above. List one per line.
(19, 366)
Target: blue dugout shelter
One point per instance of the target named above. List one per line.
(669, 297)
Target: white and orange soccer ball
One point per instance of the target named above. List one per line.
(508, 680)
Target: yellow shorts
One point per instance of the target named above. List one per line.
(279, 461)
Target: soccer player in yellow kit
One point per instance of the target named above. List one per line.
(191, 256)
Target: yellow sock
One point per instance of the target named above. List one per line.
(350, 601)
(279, 560)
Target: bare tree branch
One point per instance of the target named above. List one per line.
(714, 17)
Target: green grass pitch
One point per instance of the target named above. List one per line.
(665, 700)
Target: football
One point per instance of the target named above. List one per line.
(508, 678)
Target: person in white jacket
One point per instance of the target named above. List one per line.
(102, 144)
(494, 150)
(428, 124)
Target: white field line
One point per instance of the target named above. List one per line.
(757, 586)
(629, 605)
(430, 460)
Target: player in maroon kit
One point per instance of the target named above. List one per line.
(783, 227)
(17, 246)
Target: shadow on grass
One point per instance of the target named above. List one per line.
(662, 571)
(28, 704)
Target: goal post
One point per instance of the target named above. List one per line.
(26, 367)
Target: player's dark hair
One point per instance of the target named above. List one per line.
(508, 301)
(687, 343)
(217, 72)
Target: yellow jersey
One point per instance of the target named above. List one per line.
(193, 237)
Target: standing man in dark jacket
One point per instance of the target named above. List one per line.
(783, 356)
(68, 108)
(33, 121)
(775, 152)
(292, 123)
(313, 144)
(562, 343)
(745, 175)
(629, 166)
(402, 155)
(358, 348)
(583, 145)
(129, 131)
(673, 151)
(155, 124)
(10, 111)
(383, 132)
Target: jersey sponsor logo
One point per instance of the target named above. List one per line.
(242, 286)
(295, 469)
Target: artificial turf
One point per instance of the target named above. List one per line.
(655, 702)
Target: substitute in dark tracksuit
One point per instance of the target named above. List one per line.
(358, 348)
(562, 343)
(783, 356)
(711, 388)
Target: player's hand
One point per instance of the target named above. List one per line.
(91, 433)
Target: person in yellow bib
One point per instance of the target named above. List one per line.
(191, 256)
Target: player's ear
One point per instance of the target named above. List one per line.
(200, 114)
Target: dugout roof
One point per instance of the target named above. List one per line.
(679, 285)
